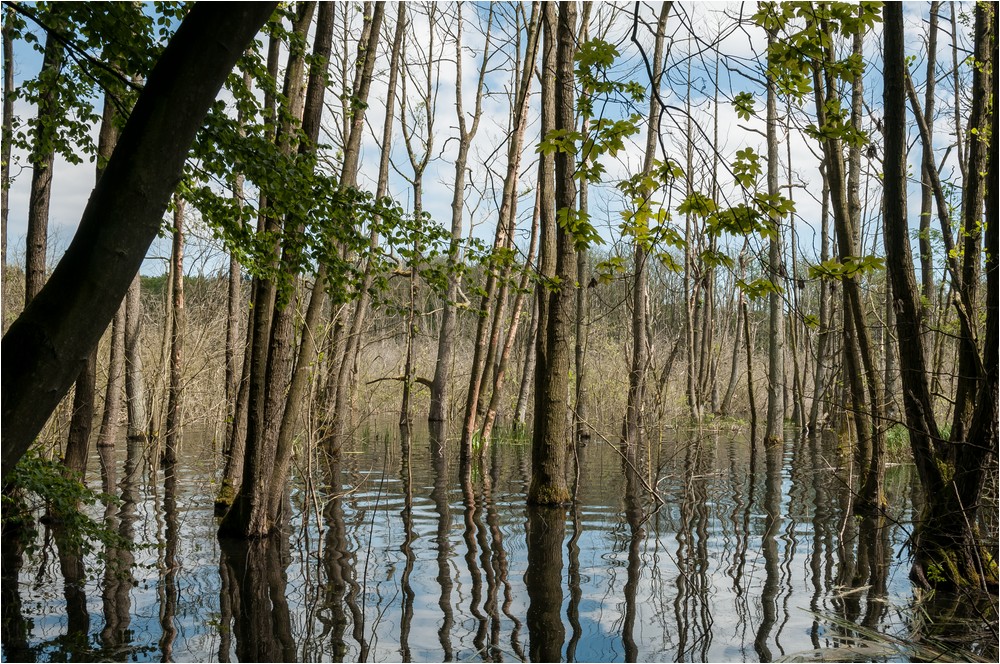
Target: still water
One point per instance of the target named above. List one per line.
(397, 552)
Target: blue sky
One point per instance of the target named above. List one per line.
(742, 49)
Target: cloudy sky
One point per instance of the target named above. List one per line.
(700, 36)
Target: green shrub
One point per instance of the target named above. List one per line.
(37, 482)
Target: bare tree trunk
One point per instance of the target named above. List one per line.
(419, 163)
(820, 387)
(352, 345)
(466, 133)
(498, 379)
(42, 160)
(970, 371)
(135, 381)
(632, 427)
(485, 344)
(528, 371)
(774, 431)
(927, 159)
(113, 393)
(863, 380)
(548, 449)
(8, 136)
(175, 390)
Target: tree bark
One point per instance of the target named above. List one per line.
(632, 427)
(774, 428)
(42, 158)
(50, 340)
(927, 160)
(175, 390)
(548, 449)
(8, 135)
(948, 552)
(135, 381)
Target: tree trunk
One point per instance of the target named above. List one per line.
(297, 388)
(135, 381)
(85, 394)
(47, 344)
(8, 136)
(42, 160)
(632, 428)
(528, 371)
(175, 390)
(927, 161)
(466, 132)
(232, 476)
(485, 344)
(774, 428)
(948, 551)
(352, 344)
(548, 449)
(970, 373)
(272, 359)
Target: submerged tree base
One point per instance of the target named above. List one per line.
(959, 566)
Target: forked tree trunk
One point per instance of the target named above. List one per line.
(948, 551)
(466, 132)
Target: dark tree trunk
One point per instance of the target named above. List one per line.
(948, 551)
(47, 344)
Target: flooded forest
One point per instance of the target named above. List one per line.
(433, 331)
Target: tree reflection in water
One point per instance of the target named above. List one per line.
(433, 559)
(545, 528)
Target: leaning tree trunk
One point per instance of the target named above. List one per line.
(50, 339)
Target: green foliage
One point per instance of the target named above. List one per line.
(851, 267)
(36, 481)
(746, 167)
(697, 204)
(577, 223)
(743, 102)
(758, 288)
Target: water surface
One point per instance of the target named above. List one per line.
(396, 552)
